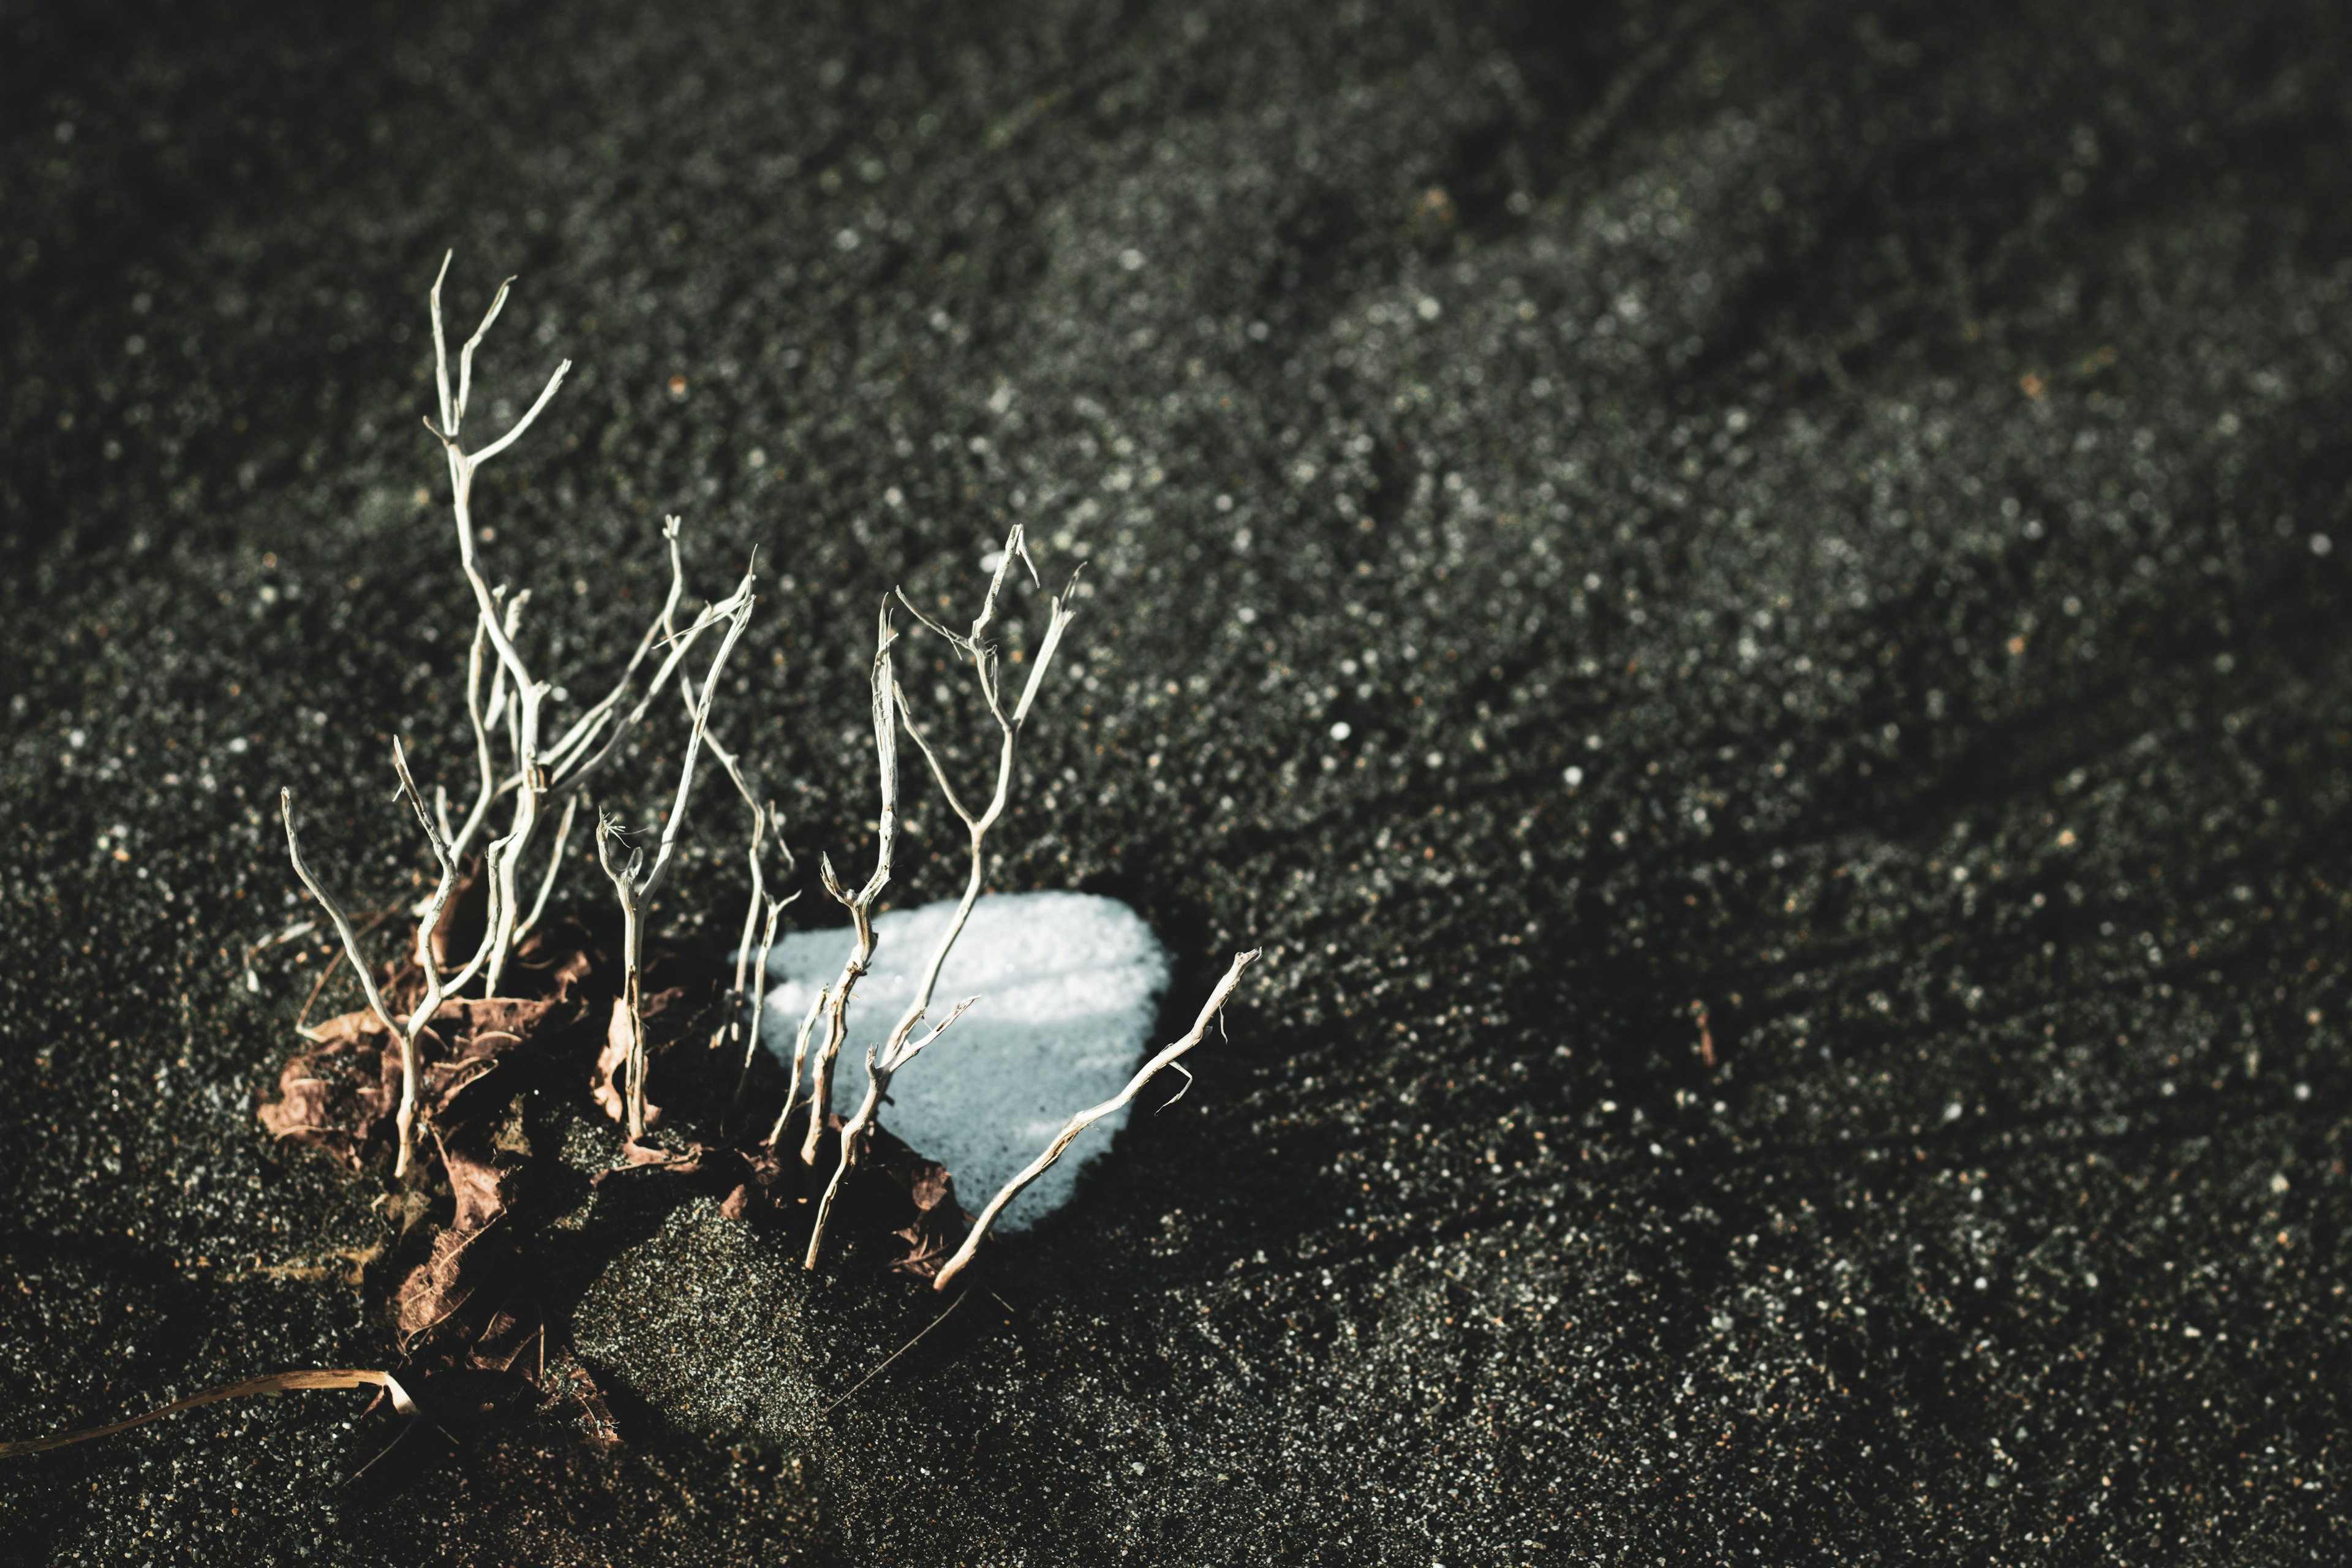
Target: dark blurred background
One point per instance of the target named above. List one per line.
(1747, 600)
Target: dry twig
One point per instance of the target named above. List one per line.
(859, 904)
(636, 883)
(367, 979)
(412, 1068)
(274, 1384)
(885, 1061)
(1086, 1118)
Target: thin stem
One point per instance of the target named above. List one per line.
(583, 728)
(728, 1032)
(527, 693)
(465, 355)
(574, 771)
(277, 1382)
(476, 714)
(854, 1131)
(860, 904)
(1087, 1118)
(351, 951)
(554, 866)
(624, 886)
(412, 1067)
(800, 1059)
(901, 1047)
(636, 888)
(759, 1013)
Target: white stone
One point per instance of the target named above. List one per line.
(1069, 986)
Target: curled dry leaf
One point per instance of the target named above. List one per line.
(342, 1095)
(679, 1002)
(896, 1193)
(472, 1253)
(932, 1224)
(339, 1096)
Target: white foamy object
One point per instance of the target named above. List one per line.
(1069, 986)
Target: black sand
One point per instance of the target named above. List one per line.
(1815, 540)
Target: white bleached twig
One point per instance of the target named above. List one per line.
(900, 1048)
(1087, 1118)
(859, 904)
(412, 1067)
(636, 883)
(760, 1011)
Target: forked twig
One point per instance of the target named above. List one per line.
(859, 904)
(883, 1063)
(527, 695)
(760, 1014)
(636, 888)
(412, 1068)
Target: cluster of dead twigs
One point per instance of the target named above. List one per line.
(496, 1002)
(493, 997)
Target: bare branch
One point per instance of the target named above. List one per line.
(737, 621)
(625, 886)
(908, 1051)
(759, 1013)
(800, 1059)
(583, 728)
(573, 769)
(412, 1066)
(1057, 621)
(860, 904)
(476, 714)
(334, 912)
(466, 356)
(441, 352)
(917, 611)
(1087, 1118)
(523, 423)
(636, 888)
(554, 866)
(1015, 548)
(730, 1031)
(350, 947)
(900, 1047)
(855, 1130)
(923, 744)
